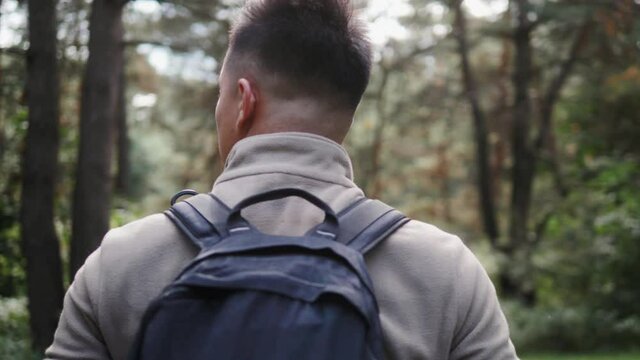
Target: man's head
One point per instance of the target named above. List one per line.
(292, 65)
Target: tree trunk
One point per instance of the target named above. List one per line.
(2, 136)
(523, 166)
(40, 243)
(484, 176)
(374, 178)
(526, 152)
(123, 179)
(523, 158)
(500, 115)
(92, 193)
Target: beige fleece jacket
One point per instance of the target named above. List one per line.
(436, 301)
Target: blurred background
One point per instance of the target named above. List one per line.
(514, 124)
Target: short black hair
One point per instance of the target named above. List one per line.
(317, 46)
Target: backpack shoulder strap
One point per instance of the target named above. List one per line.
(367, 222)
(196, 218)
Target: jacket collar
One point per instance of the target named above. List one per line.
(290, 153)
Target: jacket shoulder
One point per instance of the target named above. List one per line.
(422, 241)
(418, 258)
(143, 235)
(146, 251)
(137, 261)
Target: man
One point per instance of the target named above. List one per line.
(292, 79)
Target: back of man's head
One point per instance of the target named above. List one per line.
(309, 48)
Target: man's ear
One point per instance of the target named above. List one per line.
(247, 106)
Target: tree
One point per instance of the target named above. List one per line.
(92, 193)
(484, 179)
(123, 178)
(525, 152)
(40, 242)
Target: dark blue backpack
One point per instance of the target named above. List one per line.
(249, 295)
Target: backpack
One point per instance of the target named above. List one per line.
(248, 295)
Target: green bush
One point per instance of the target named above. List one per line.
(580, 329)
(14, 330)
(12, 273)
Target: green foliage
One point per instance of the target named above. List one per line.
(591, 258)
(14, 330)
(586, 270)
(603, 356)
(604, 118)
(596, 241)
(570, 329)
(12, 274)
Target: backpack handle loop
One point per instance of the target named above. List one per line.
(330, 223)
(181, 193)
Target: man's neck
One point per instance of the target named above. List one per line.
(304, 116)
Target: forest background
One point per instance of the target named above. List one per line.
(514, 124)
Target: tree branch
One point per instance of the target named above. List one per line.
(557, 84)
(14, 50)
(181, 48)
(487, 206)
(376, 147)
(548, 103)
(541, 227)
